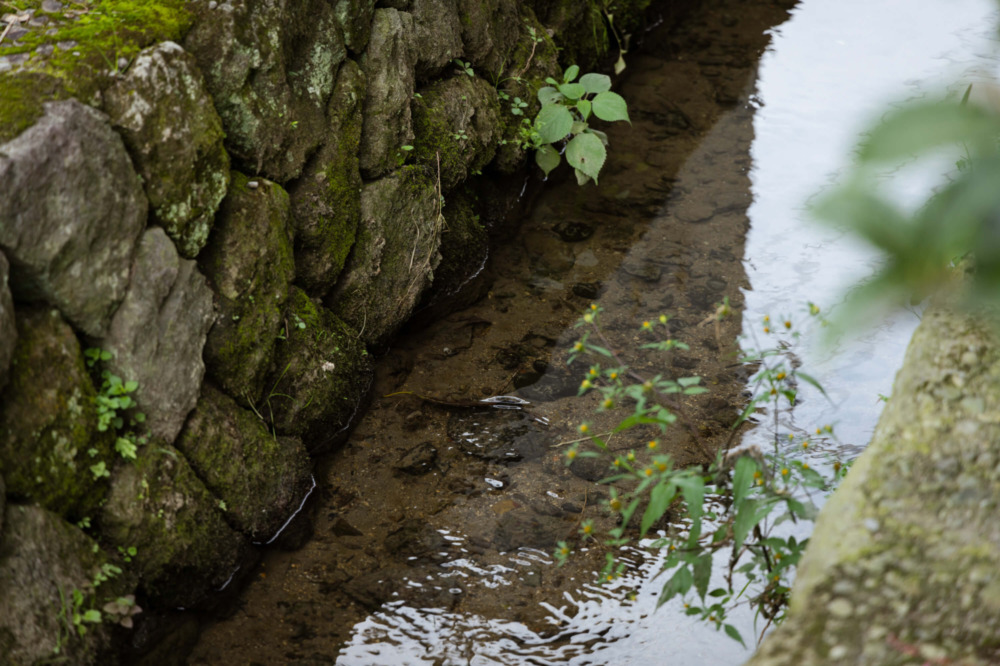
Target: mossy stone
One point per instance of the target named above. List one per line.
(320, 374)
(261, 478)
(249, 264)
(48, 420)
(394, 256)
(326, 201)
(456, 125)
(159, 506)
(464, 245)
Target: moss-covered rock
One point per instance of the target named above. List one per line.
(77, 53)
(320, 374)
(249, 264)
(270, 67)
(388, 65)
(582, 30)
(163, 112)
(326, 201)
(394, 256)
(8, 328)
(456, 121)
(464, 245)
(185, 548)
(355, 18)
(439, 34)
(43, 560)
(73, 210)
(490, 31)
(261, 478)
(904, 563)
(157, 335)
(48, 420)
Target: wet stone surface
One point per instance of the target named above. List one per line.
(435, 525)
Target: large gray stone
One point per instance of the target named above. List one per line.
(8, 329)
(388, 65)
(42, 561)
(326, 201)
(48, 420)
(72, 211)
(490, 32)
(394, 256)
(157, 335)
(355, 19)
(261, 478)
(163, 111)
(270, 67)
(904, 563)
(185, 549)
(438, 35)
(249, 264)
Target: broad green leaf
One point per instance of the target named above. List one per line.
(553, 123)
(743, 477)
(93, 616)
(596, 83)
(571, 73)
(584, 107)
(620, 63)
(734, 634)
(659, 500)
(547, 158)
(920, 128)
(549, 95)
(746, 518)
(718, 592)
(572, 90)
(809, 379)
(578, 127)
(679, 583)
(688, 381)
(600, 135)
(586, 153)
(702, 569)
(610, 106)
(693, 488)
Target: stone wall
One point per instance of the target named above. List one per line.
(212, 211)
(904, 563)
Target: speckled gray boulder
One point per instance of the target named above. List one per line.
(326, 201)
(438, 33)
(42, 560)
(394, 256)
(158, 505)
(8, 329)
(72, 211)
(388, 65)
(904, 563)
(163, 111)
(270, 67)
(249, 264)
(157, 335)
(261, 478)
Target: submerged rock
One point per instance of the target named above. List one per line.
(319, 376)
(270, 67)
(157, 335)
(48, 421)
(261, 478)
(250, 265)
(326, 201)
(163, 112)
(388, 64)
(185, 549)
(73, 210)
(8, 327)
(43, 561)
(394, 256)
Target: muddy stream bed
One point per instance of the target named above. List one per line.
(434, 526)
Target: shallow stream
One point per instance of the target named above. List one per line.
(434, 525)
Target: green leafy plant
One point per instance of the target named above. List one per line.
(564, 117)
(728, 508)
(115, 409)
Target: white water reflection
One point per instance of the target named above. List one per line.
(829, 71)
